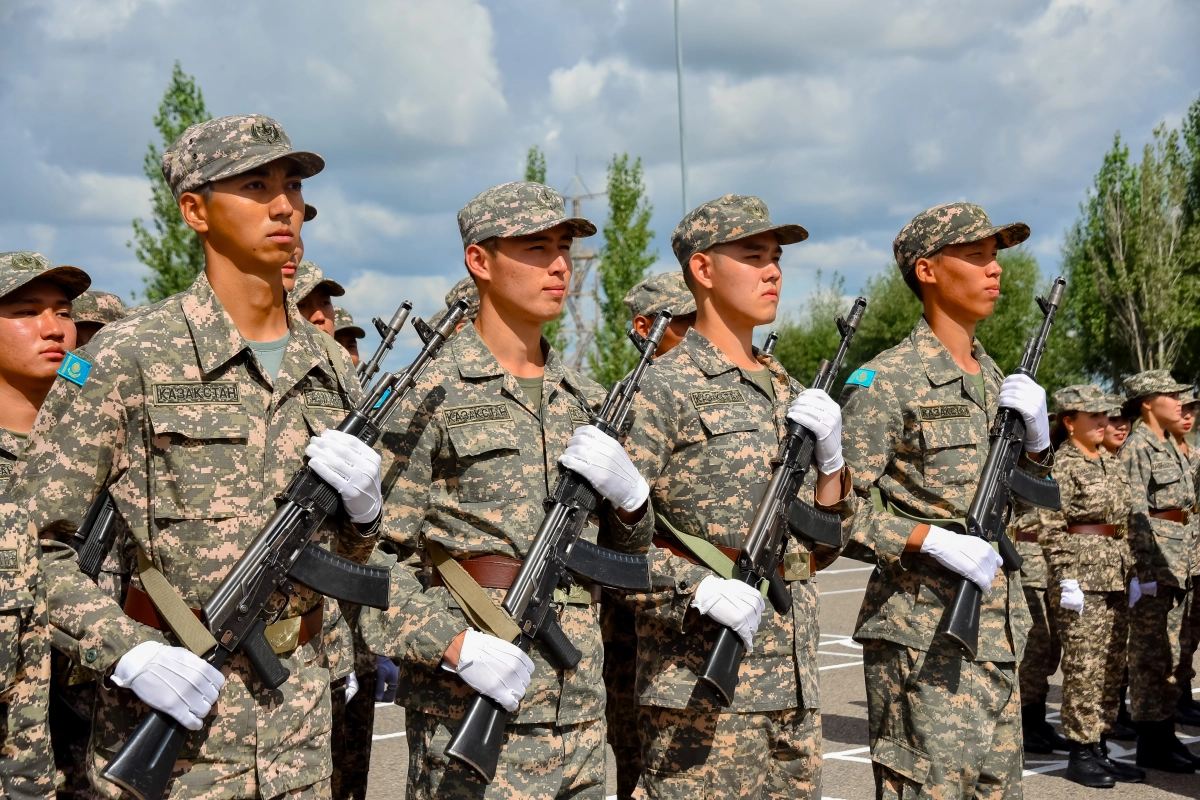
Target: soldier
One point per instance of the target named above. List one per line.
(1160, 536)
(1090, 566)
(346, 332)
(195, 428)
(36, 333)
(313, 293)
(663, 291)
(473, 451)
(705, 429)
(293, 263)
(1188, 710)
(1117, 429)
(1043, 649)
(463, 290)
(91, 311)
(917, 418)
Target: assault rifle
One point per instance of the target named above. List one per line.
(93, 539)
(769, 345)
(1002, 478)
(388, 331)
(280, 555)
(556, 552)
(780, 514)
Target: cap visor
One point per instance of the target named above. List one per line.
(74, 280)
(353, 330)
(1007, 236)
(309, 163)
(786, 234)
(580, 228)
(310, 212)
(335, 288)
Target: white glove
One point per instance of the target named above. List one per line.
(351, 686)
(1072, 596)
(171, 679)
(494, 667)
(350, 467)
(1021, 393)
(969, 556)
(602, 461)
(1150, 588)
(822, 416)
(1135, 591)
(734, 604)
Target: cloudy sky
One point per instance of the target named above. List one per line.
(847, 117)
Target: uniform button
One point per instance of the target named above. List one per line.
(683, 586)
(91, 655)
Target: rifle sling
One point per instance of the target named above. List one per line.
(176, 613)
(881, 503)
(479, 609)
(795, 566)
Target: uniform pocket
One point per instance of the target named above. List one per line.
(488, 461)
(199, 462)
(950, 451)
(1165, 472)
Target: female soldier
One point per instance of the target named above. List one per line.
(1089, 559)
(1187, 709)
(1119, 424)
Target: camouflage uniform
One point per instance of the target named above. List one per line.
(171, 410)
(343, 322)
(1095, 491)
(99, 307)
(1192, 624)
(659, 292)
(1161, 477)
(915, 430)
(308, 277)
(1043, 648)
(704, 434)
(468, 460)
(463, 290)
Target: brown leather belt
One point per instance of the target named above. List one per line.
(1094, 530)
(490, 572)
(1180, 515)
(139, 608)
(730, 552)
(1025, 535)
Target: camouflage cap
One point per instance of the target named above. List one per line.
(20, 267)
(664, 290)
(310, 212)
(952, 223)
(516, 209)
(1155, 381)
(226, 146)
(343, 322)
(1116, 404)
(309, 277)
(727, 219)
(97, 306)
(463, 290)
(1189, 398)
(1082, 397)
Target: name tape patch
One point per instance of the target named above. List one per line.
(186, 394)
(946, 412)
(8, 560)
(861, 377)
(320, 398)
(578, 415)
(75, 369)
(472, 415)
(727, 397)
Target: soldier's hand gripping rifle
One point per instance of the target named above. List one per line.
(1002, 478)
(388, 331)
(281, 555)
(780, 514)
(556, 552)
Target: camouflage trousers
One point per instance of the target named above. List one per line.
(26, 762)
(620, 706)
(1187, 672)
(1157, 628)
(350, 739)
(942, 727)
(1093, 662)
(690, 755)
(1042, 652)
(538, 762)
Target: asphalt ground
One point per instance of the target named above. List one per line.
(847, 772)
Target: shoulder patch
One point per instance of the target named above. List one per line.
(322, 398)
(861, 377)
(75, 369)
(728, 397)
(8, 560)
(955, 411)
(578, 415)
(190, 393)
(473, 415)
(6, 469)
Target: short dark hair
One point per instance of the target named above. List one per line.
(1058, 433)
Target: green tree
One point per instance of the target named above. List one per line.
(535, 165)
(624, 260)
(167, 245)
(1131, 261)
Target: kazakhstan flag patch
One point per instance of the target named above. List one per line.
(75, 369)
(861, 377)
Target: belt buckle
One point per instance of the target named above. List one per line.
(284, 635)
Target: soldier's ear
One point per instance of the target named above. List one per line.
(478, 261)
(701, 266)
(195, 211)
(924, 270)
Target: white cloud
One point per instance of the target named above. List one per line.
(73, 20)
(376, 294)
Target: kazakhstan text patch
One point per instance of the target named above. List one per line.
(187, 394)
(470, 415)
(727, 397)
(946, 412)
(861, 377)
(320, 398)
(75, 369)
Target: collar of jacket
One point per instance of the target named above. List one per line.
(1143, 433)
(218, 340)
(10, 444)
(475, 360)
(940, 365)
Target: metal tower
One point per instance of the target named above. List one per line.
(580, 329)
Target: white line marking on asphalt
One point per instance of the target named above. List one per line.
(839, 666)
(380, 736)
(839, 655)
(843, 591)
(840, 571)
